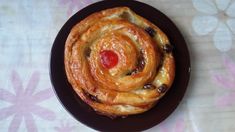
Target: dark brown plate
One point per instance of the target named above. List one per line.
(82, 112)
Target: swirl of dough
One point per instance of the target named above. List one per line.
(117, 65)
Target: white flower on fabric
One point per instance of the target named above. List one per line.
(218, 16)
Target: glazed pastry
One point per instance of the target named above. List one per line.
(118, 62)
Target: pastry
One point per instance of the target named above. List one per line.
(118, 62)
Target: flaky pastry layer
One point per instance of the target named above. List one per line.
(145, 69)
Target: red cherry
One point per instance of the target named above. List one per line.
(109, 59)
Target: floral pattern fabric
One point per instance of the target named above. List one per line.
(29, 27)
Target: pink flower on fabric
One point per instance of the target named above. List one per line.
(25, 103)
(178, 126)
(227, 82)
(65, 127)
(74, 5)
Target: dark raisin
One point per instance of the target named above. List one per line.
(150, 31)
(140, 62)
(125, 15)
(87, 52)
(139, 65)
(92, 97)
(162, 88)
(129, 73)
(149, 86)
(167, 48)
(134, 71)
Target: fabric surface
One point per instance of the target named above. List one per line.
(29, 27)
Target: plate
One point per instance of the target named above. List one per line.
(84, 113)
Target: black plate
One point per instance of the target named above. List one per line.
(82, 112)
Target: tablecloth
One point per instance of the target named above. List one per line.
(29, 27)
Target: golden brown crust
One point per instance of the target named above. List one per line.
(112, 91)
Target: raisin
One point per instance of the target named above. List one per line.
(139, 66)
(140, 62)
(167, 48)
(150, 31)
(149, 86)
(125, 15)
(162, 88)
(92, 97)
(87, 52)
(134, 71)
(129, 73)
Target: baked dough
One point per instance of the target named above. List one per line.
(143, 74)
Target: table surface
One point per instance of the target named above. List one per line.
(29, 27)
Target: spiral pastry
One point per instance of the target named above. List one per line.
(118, 62)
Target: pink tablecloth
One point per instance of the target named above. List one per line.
(29, 27)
